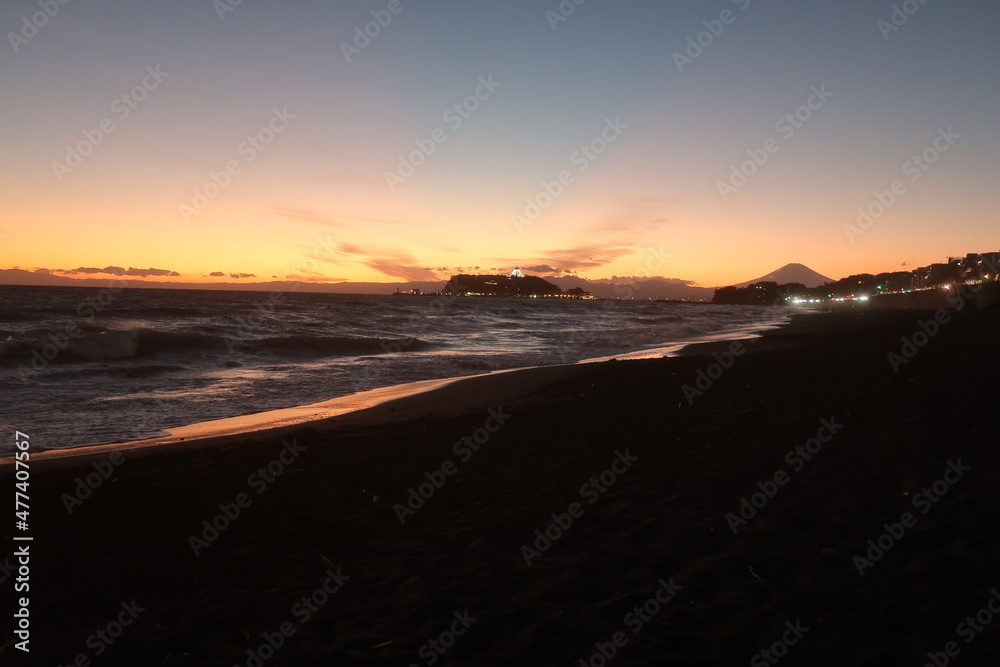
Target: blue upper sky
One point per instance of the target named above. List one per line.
(665, 179)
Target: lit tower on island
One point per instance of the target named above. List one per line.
(516, 273)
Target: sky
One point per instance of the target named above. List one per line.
(711, 141)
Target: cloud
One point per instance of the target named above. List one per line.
(648, 214)
(622, 280)
(307, 215)
(630, 226)
(454, 269)
(396, 269)
(113, 270)
(351, 249)
(145, 273)
(217, 274)
(386, 221)
(585, 257)
(393, 263)
(313, 277)
(541, 268)
(46, 272)
(242, 275)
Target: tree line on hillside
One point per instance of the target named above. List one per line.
(506, 286)
(770, 293)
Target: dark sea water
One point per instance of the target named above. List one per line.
(82, 366)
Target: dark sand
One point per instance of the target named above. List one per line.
(664, 517)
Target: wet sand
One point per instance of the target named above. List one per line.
(645, 479)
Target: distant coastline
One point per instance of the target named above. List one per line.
(514, 286)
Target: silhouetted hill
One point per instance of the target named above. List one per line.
(464, 283)
(23, 277)
(638, 288)
(790, 273)
(618, 287)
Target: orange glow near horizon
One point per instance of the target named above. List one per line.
(624, 166)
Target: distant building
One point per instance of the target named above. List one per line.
(989, 265)
(516, 273)
(970, 266)
(942, 274)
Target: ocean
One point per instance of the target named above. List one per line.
(85, 366)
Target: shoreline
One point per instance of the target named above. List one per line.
(738, 496)
(391, 403)
(384, 405)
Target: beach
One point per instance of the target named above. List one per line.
(817, 496)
